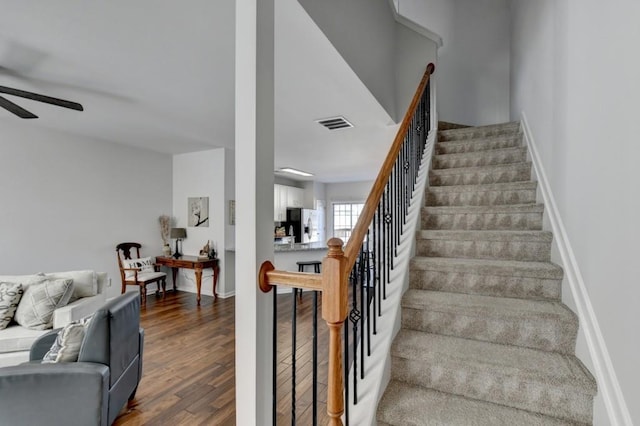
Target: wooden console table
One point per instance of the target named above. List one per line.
(191, 262)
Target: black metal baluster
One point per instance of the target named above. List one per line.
(380, 243)
(354, 317)
(294, 321)
(346, 374)
(369, 286)
(362, 309)
(274, 361)
(387, 241)
(398, 216)
(314, 383)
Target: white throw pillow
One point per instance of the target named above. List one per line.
(10, 295)
(143, 264)
(35, 310)
(66, 347)
(25, 280)
(85, 283)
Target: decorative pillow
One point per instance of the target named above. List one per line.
(66, 347)
(10, 295)
(25, 280)
(144, 264)
(85, 283)
(35, 310)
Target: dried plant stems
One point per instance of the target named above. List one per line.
(165, 227)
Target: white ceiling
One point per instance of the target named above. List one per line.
(159, 75)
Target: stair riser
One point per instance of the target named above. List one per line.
(477, 146)
(543, 398)
(487, 221)
(481, 198)
(537, 251)
(479, 159)
(477, 134)
(536, 332)
(487, 285)
(482, 176)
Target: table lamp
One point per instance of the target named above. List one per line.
(179, 234)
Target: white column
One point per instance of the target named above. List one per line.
(254, 206)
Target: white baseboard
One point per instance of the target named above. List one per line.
(604, 372)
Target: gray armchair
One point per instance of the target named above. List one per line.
(91, 391)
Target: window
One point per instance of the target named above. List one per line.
(345, 217)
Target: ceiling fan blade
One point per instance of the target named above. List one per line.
(16, 109)
(41, 98)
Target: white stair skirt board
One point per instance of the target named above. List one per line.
(605, 374)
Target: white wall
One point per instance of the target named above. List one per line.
(353, 192)
(473, 63)
(68, 201)
(202, 174)
(574, 75)
(371, 53)
(412, 54)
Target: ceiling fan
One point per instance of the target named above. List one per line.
(23, 113)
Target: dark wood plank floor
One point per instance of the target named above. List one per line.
(189, 363)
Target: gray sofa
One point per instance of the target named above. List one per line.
(16, 340)
(91, 391)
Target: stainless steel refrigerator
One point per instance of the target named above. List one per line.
(305, 225)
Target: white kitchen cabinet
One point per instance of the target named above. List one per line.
(285, 196)
(295, 197)
(279, 203)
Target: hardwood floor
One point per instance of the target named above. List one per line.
(189, 363)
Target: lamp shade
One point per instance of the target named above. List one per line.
(178, 233)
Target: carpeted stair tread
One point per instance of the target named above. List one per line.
(505, 125)
(546, 270)
(447, 125)
(464, 235)
(491, 217)
(503, 278)
(501, 186)
(483, 194)
(500, 173)
(478, 145)
(545, 325)
(474, 132)
(482, 158)
(501, 208)
(544, 382)
(405, 404)
(504, 245)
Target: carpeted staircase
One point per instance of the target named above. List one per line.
(485, 339)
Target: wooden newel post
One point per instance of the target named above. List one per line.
(334, 312)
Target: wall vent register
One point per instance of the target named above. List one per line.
(335, 123)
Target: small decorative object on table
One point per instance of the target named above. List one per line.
(165, 228)
(208, 251)
(204, 253)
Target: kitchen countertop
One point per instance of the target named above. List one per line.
(299, 247)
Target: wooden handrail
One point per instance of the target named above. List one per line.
(270, 277)
(366, 216)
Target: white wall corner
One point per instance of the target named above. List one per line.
(608, 386)
(415, 26)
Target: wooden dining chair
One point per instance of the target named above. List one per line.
(139, 271)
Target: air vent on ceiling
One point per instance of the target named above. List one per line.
(335, 123)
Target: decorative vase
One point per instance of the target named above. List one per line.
(166, 250)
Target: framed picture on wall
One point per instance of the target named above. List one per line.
(198, 211)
